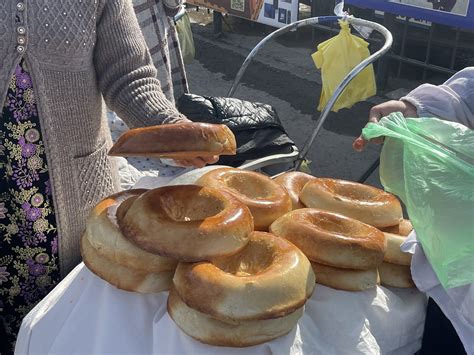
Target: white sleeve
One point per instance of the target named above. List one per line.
(456, 303)
(451, 101)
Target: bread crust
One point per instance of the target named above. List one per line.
(108, 241)
(362, 202)
(269, 278)
(176, 141)
(393, 275)
(210, 330)
(266, 199)
(187, 222)
(345, 279)
(293, 182)
(394, 254)
(123, 277)
(109, 255)
(403, 228)
(332, 239)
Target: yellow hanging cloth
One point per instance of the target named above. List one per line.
(336, 57)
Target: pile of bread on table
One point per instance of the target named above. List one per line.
(239, 252)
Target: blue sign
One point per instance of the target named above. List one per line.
(456, 13)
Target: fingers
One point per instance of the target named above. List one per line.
(211, 160)
(359, 144)
(198, 162)
(378, 140)
(375, 114)
(182, 163)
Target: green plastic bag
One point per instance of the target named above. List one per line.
(429, 164)
(185, 37)
(336, 57)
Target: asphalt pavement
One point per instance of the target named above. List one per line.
(284, 76)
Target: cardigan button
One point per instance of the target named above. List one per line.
(20, 49)
(21, 40)
(21, 30)
(20, 6)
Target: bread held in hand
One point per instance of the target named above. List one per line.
(176, 141)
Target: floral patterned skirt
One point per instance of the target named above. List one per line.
(29, 265)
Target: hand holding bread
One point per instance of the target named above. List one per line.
(188, 143)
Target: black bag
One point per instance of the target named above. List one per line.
(256, 126)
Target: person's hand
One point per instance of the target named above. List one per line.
(382, 110)
(198, 162)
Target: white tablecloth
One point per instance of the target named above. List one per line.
(86, 315)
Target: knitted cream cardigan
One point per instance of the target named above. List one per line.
(80, 52)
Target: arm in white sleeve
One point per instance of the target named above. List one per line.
(451, 101)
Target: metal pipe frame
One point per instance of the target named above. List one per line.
(340, 88)
(180, 14)
(419, 63)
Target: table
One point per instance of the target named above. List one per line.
(86, 315)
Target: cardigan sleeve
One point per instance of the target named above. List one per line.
(452, 101)
(125, 71)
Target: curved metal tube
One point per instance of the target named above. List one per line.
(277, 33)
(352, 74)
(340, 88)
(180, 14)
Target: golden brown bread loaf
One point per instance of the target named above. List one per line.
(106, 238)
(265, 198)
(176, 141)
(210, 330)
(268, 278)
(332, 239)
(395, 270)
(403, 228)
(124, 277)
(345, 279)
(112, 257)
(253, 296)
(293, 182)
(395, 275)
(394, 254)
(187, 222)
(362, 202)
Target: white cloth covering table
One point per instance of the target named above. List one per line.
(86, 315)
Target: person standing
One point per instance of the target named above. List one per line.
(449, 325)
(59, 62)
